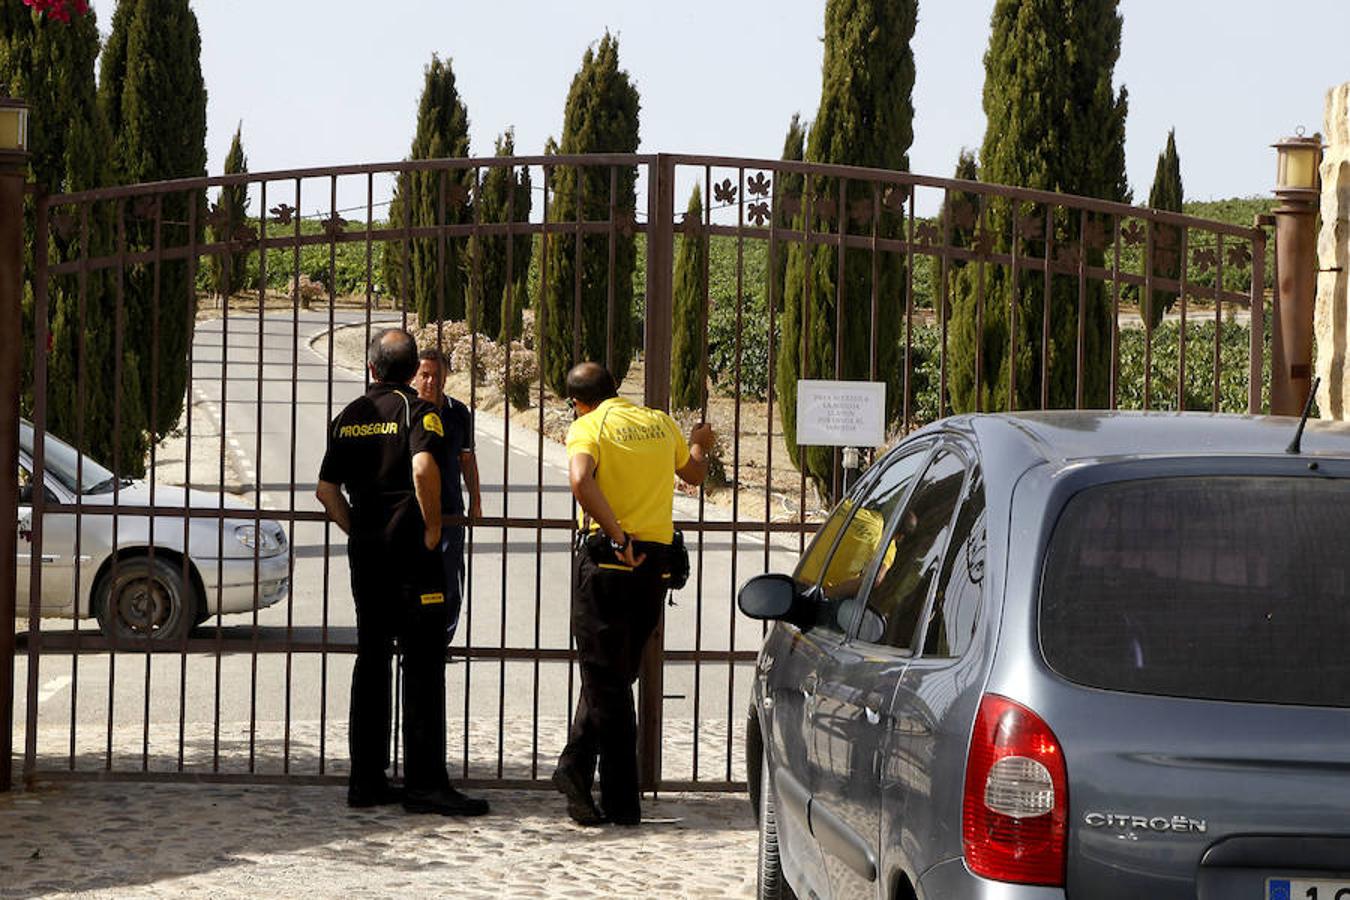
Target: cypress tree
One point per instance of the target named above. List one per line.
(866, 119)
(228, 270)
(154, 99)
(957, 206)
(505, 197)
(1166, 193)
(50, 64)
(601, 116)
(691, 309)
(1055, 123)
(789, 185)
(436, 265)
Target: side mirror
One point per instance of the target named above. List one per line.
(768, 597)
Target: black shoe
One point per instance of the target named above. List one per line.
(626, 820)
(445, 802)
(580, 804)
(363, 798)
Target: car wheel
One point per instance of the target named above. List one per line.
(140, 597)
(772, 885)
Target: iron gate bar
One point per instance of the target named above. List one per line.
(657, 338)
(979, 315)
(1149, 266)
(540, 329)
(1013, 294)
(909, 319)
(1115, 308)
(119, 320)
(1045, 306)
(839, 315)
(1082, 309)
(257, 471)
(808, 200)
(189, 316)
(262, 779)
(1257, 326)
(158, 218)
(506, 426)
(698, 232)
(1181, 331)
(290, 545)
(1218, 314)
(944, 304)
(735, 469)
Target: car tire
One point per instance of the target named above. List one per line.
(772, 885)
(139, 597)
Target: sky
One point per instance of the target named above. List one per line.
(336, 82)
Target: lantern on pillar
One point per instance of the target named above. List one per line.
(13, 127)
(1297, 161)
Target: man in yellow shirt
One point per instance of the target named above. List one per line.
(623, 460)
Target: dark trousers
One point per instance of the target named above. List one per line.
(398, 597)
(613, 615)
(452, 564)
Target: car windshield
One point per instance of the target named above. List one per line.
(1220, 588)
(63, 462)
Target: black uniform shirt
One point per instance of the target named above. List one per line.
(371, 444)
(458, 423)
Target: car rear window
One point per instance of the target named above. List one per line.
(1220, 588)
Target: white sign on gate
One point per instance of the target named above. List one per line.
(841, 413)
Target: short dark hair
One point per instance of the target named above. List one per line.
(393, 355)
(436, 356)
(590, 383)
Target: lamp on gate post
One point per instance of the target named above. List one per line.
(13, 171)
(1297, 188)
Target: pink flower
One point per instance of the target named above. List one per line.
(59, 10)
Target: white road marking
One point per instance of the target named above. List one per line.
(52, 688)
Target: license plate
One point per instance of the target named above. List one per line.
(1304, 889)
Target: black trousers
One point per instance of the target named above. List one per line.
(400, 595)
(452, 564)
(613, 615)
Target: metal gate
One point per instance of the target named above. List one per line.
(960, 296)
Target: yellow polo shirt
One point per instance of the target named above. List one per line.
(636, 451)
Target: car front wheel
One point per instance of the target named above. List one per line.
(141, 598)
(772, 885)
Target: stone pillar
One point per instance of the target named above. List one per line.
(1333, 260)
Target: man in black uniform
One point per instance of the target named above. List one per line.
(457, 462)
(382, 449)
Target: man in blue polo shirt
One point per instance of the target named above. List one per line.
(456, 462)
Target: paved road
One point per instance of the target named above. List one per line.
(518, 591)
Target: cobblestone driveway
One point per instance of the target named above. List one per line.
(125, 840)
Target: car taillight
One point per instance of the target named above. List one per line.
(1015, 811)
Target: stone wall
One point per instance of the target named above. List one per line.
(1333, 251)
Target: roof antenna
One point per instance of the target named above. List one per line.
(1296, 445)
